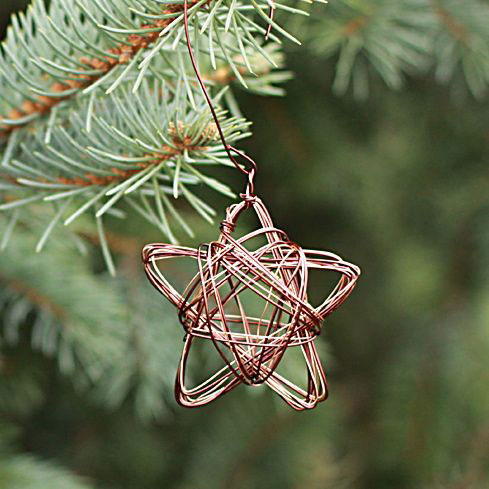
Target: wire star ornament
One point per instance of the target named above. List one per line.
(234, 276)
(248, 299)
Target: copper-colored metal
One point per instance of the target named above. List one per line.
(214, 305)
(252, 347)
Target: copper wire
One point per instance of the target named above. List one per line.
(214, 305)
(229, 149)
(251, 347)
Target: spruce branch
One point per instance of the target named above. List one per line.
(390, 37)
(461, 43)
(49, 57)
(73, 48)
(101, 107)
(257, 73)
(107, 335)
(395, 39)
(145, 371)
(70, 312)
(144, 150)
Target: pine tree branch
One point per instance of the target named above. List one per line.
(106, 334)
(461, 43)
(146, 370)
(72, 312)
(79, 43)
(79, 151)
(144, 150)
(259, 75)
(96, 67)
(390, 37)
(404, 37)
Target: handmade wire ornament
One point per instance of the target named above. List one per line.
(274, 274)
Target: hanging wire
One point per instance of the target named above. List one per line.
(250, 172)
(213, 306)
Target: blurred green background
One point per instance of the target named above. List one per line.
(398, 184)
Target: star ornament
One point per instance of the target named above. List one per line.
(250, 301)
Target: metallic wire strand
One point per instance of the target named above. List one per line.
(213, 307)
(251, 347)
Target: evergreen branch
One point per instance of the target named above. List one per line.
(50, 57)
(461, 43)
(146, 369)
(390, 37)
(450, 22)
(44, 39)
(78, 318)
(123, 148)
(107, 335)
(100, 151)
(399, 38)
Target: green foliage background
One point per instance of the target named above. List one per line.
(397, 183)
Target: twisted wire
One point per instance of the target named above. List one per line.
(213, 306)
(251, 346)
